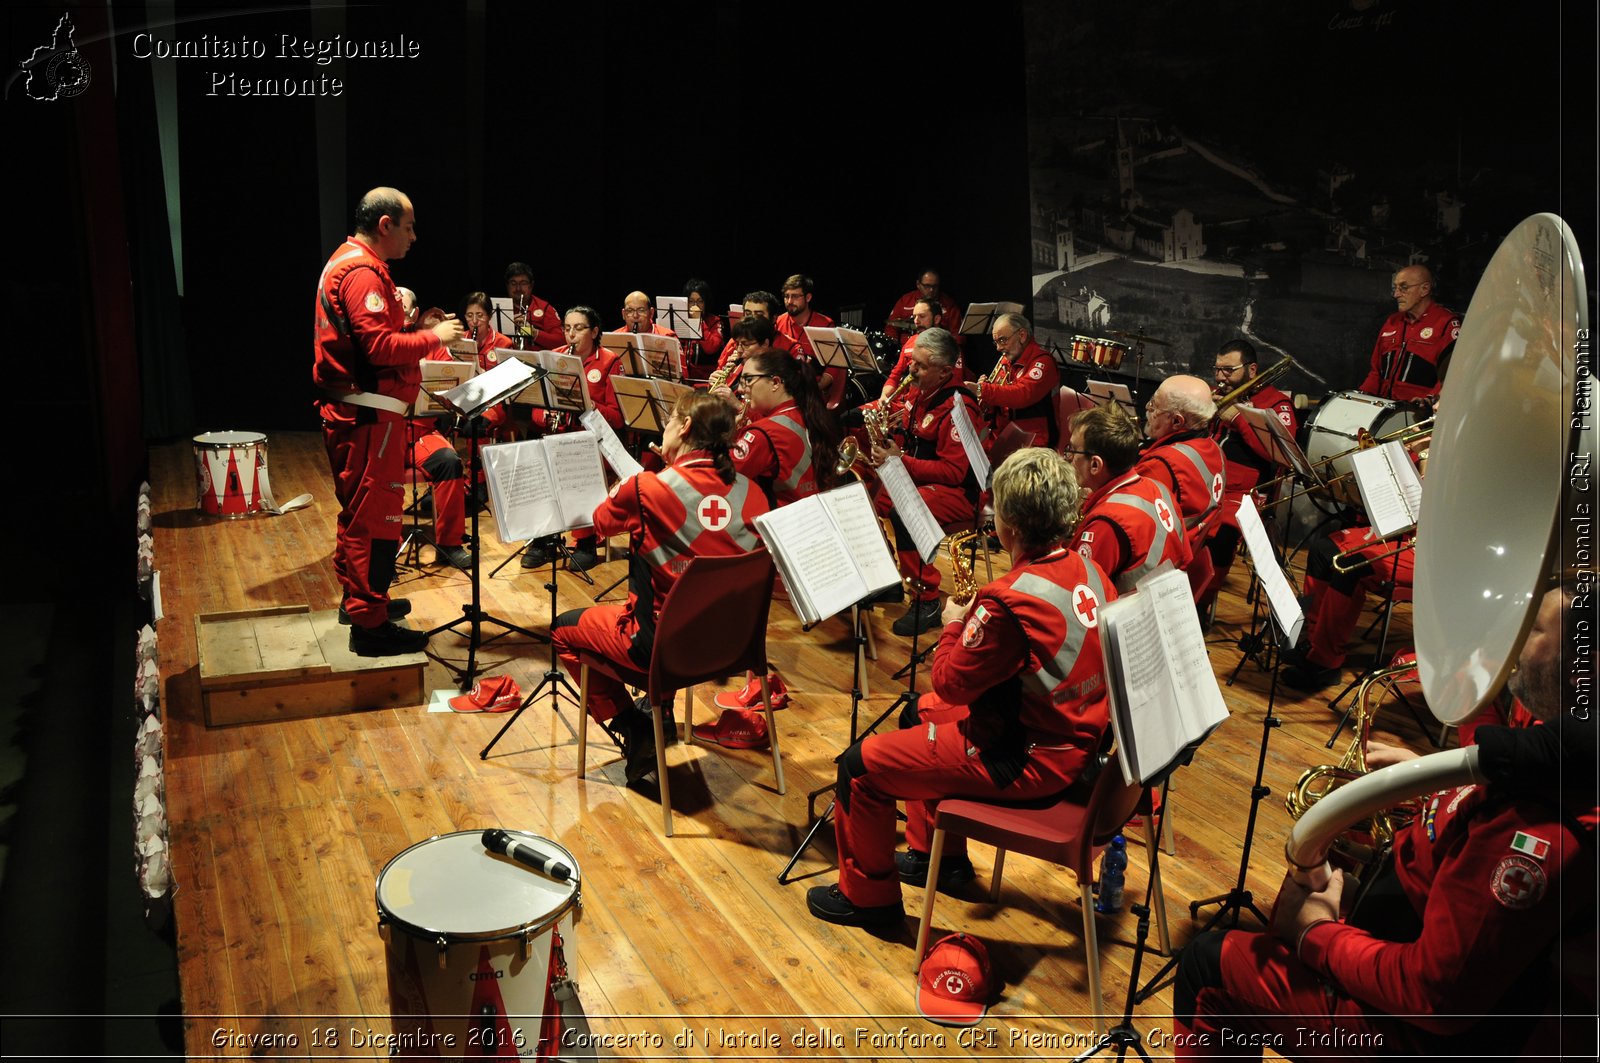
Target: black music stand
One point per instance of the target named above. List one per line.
(472, 613)
(553, 679)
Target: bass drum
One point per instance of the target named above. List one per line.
(1334, 433)
(885, 348)
(859, 389)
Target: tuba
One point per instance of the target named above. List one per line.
(1508, 419)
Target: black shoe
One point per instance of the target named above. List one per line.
(1207, 608)
(891, 595)
(386, 640)
(1309, 679)
(537, 555)
(639, 746)
(459, 556)
(398, 607)
(583, 559)
(669, 725)
(919, 618)
(829, 904)
(954, 872)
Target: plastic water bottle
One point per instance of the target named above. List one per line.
(1113, 863)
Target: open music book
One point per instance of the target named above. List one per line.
(911, 507)
(560, 388)
(1286, 610)
(829, 550)
(440, 376)
(843, 348)
(1163, 693)
(544, 486)
(1391, 490)
(476, 394)
(644, 354)
(673, 311)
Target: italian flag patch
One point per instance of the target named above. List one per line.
(1528, 845)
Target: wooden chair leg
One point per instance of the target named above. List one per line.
(772, 735)
(999, 869)
(1091, 952)
(583, 720)
(656, 719)
(688, 717)
(930, 889)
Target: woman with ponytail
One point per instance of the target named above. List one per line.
(698, 505)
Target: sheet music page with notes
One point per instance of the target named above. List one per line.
(1383, 492)
(491, 386)
(813, 561)
(971, 443)
(580, 482)
(521, 489)
(1280, 593)
(852, 511)
(913, 511)
(622, 463)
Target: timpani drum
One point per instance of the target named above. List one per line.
(1336, 429)
(470, 937)
(1108, 354)
(1082, 349)
(230, 469)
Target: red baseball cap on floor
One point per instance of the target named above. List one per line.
(492, 693)
(953, 984)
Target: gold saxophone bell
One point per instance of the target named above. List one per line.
(1366, 841)
(961, 567)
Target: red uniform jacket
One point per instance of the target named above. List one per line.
(360, 342)
(1246, 458)
(903, 365)
(490, 344)
(1129, 527)
(1492, 916)
(1189, 464)
(787, 326)
(1408, 354)
(775, 452)
(683, 511)
(906, 305)
(1028, 658)
(542, 332)
(1029, 399)
(598, 369)
(932, 451)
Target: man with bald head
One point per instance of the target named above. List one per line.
(639, 315)
(1413, 349)
(365, 368)
(1182, 456)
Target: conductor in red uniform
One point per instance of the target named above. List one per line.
(1413, 348)
(1017, 710)
(696, 506)
(365, 366)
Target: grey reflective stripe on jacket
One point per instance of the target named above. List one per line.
(677, 544)
(1055, 671)
(1199, 463)
(792, 424)
(1158, 542)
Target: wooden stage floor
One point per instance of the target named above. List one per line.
(279, 831)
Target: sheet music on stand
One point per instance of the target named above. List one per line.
(440, 376)
(560, 387)
(644, 354)
(829, 549)
(843, 348)
(611, 449)
(979, 318)
(1164, 696)
(1274, 436)
(646, 402)
(913, 510)
(1291, 619)
(542, 487)
(676, 307)
(1104, 391)
(1391, 491)
(473, 396)
(1072, 401)
(503, 313)
(971, 443)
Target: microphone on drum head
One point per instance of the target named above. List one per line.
(500, 841)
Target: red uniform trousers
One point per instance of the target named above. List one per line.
(607, 631)
(920, 765)
(1336, 602)
(368, 462)
(437, 461)
(948, 505)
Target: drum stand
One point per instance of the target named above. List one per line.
(907, 697)
(1239, 898)
(553, 679)
(473, 614)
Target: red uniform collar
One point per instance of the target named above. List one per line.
(1106, 488)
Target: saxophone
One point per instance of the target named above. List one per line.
(961, 567)
(887, 415)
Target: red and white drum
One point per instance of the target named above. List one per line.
(1083, 349)
(230, 472)
(1108, 354)
(469, 938)
(1336, 428)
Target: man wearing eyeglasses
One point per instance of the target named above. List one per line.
(905, 308)
(1247, 457)
(1130, 524)
(1028, 395)
(1182, 456)
(1414, 345)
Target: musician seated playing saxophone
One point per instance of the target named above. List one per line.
(1022, 386)
(1017, 710)
(1474, 942)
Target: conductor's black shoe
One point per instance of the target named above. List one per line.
(1308, 679)
(386, 640)
(954, 872)
(459, 556)
(537, 555)
(829, 904)
(583, 559)
(919, 618)
(891, 595)
(398, 607)
(639, 749)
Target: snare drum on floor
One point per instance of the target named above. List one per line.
(474, 942)
(229, 468)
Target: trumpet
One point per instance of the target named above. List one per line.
(887, 416)
(1343, 564)
(999, 376)
(1367, 840)
(1414, 437)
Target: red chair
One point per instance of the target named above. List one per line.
(1062, 830)
(712, 625)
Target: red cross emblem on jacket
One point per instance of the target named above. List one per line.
(714, 512)
(1086, 605)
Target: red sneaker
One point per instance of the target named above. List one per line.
(736, 729)
(492, 693)
(749, 696)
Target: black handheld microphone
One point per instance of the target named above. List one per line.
(501, 841)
